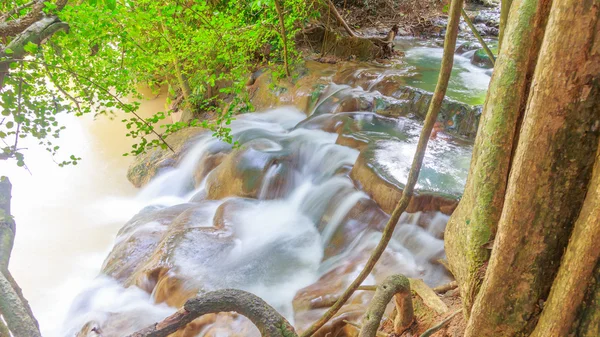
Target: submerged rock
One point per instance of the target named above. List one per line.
(387, 94)
(293, 213)
(146, 166)
(467, 46)
(481, 59)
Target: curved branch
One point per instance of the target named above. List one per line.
(394, 286)
(268, 321)
(432, 113)
(15, 27)
(36, 33)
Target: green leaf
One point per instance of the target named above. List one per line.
(111, 4)
(8, 51)
(31, 47)
(9, 125)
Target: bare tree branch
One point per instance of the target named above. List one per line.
(268, 321)
(15, 27)
(14, 11)
(36, 33)
(395, 285)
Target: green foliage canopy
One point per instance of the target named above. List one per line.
(203, 50)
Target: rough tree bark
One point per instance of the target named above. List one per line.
(268, 321)
(430, 119)
(473, 224)
(589, 311)
(577, 267)
(13, 307)
(15, 27)
(551, 171)
(395, 285)
(37, 33)
(504, 11)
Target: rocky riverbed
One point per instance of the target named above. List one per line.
(292, 213)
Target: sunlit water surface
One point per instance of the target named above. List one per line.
(67, 218)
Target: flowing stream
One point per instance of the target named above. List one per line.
(293, 215)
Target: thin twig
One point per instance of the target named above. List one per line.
(19, 99)
(479, 38)
(432, 114)
(283, 37)
(367, 288)
(340, 19)
(108, 93)
(5, 16)
(434, 329)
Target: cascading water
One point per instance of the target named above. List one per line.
(281, 216)
(271, 247)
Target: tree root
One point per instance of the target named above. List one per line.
(432, 113)
(268, 321)
(397, 286)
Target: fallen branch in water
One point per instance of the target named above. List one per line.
(432, 113)
(268, 321)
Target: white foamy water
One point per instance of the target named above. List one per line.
(272, 246)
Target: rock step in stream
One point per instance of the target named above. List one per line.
(290, 215)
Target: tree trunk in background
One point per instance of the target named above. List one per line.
(283, 34)
(504, 11)
(473, 223)
(549, 175)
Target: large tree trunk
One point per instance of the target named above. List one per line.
(550, 173)
(473, 223)
(575, 275)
